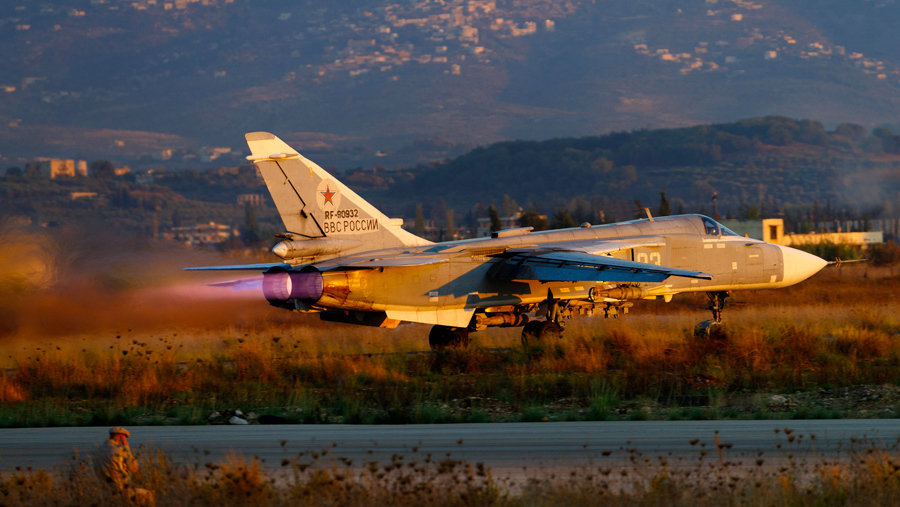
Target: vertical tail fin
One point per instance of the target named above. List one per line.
(313, 204)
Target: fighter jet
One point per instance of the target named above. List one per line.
(348, 262)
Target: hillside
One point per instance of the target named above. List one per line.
(763, 166)
(368, 81)
(771, 163)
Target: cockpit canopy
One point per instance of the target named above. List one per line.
(714, 228)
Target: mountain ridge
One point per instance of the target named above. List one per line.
(378, 78)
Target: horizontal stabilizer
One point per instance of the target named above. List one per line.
(242, 267)
(390, 262)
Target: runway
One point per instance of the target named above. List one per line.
(507, 449)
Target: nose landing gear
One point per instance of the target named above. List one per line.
(716, 306)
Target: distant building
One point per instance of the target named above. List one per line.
(144, 178)
(772, 230)
(222, 171)
(860, 239)
(54, 168)
(210, 154)
(252, 200)
(203, 234)
(469, 34)
(510, 222)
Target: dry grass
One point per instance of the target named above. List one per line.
(865, 474)
(353, 374)
(129, 339)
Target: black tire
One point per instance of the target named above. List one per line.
(531, 333)
(459, 338)
(443, 337)
(548, 331)
(438, 338)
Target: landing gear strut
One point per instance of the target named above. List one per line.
(716, 306)
(444, 337)
(538, 331)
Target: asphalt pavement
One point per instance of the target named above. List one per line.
(506, 448)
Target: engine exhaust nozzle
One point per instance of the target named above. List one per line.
(280, 286)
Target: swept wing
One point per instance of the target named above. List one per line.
(573, 266)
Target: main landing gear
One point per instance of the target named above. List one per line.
(538, 331)
(446, 337)
(716, 306)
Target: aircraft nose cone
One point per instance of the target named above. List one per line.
(281, 250)
(799, 265)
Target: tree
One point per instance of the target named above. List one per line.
(562, 220)
(531, 218)
(510, 207)
(602, 165)
(851, 131)
(251, 227)
(811, 132)
(419, 222)
(891, 144)
(582, 211)
(14, 172)
(665, 209)
(882, 132)
(32, 171)
(627, 176)
(102, 169)
(176, 218)
(439, 210)
(639, 209)
(451, 226)
(496, 225)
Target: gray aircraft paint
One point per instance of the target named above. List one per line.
(346, 260)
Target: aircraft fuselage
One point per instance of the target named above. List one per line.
(446, 283)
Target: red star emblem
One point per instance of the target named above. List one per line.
(328, 195)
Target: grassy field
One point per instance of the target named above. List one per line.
(107, 338)
(119, 345)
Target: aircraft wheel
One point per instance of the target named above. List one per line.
(701, 330)
(549, 331)
(442, 337)
(710, 329)
(530, 332)
(540, 331)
